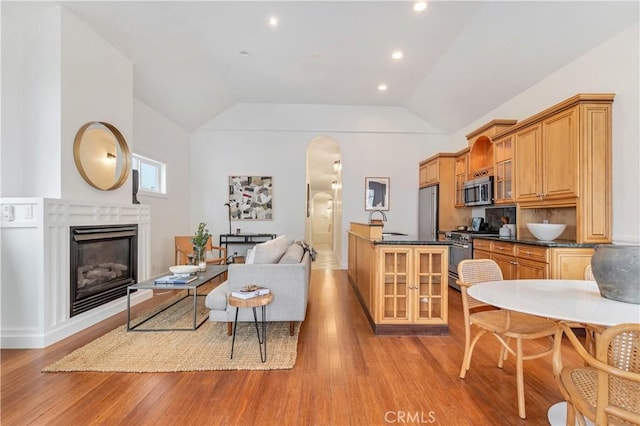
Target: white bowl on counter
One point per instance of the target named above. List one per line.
(546, 231)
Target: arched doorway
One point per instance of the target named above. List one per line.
(323, 227)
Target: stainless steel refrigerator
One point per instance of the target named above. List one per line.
(428, 213)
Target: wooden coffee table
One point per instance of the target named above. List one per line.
(254, 302)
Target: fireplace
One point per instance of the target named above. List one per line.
(104, 261)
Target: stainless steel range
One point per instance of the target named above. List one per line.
(461, 249)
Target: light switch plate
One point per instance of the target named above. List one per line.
(8, 213)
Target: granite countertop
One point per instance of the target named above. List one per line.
(535, 242)
(409, 240)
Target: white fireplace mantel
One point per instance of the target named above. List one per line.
(34, 264)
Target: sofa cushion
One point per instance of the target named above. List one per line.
(217, 299)
(271, 251)
(293, 254)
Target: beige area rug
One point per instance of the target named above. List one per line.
(207, 348)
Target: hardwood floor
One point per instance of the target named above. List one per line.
(344, 375)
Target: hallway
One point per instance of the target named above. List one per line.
(326, 258)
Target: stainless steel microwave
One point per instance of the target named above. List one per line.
(478, 192)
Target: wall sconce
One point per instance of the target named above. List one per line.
(337, 166)
(334, 185)
(111, 156)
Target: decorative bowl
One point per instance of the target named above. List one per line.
(183, 269)
(546, 231)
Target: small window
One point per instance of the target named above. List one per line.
(152, 174)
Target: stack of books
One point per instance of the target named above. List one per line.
(250, 291)
(175, 279)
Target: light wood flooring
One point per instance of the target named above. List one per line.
(325, 258)
(344, 375)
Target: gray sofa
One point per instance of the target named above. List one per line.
(284, 267)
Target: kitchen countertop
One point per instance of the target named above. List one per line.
(535, 242)
(410, 240)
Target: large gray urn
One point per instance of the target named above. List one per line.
(616, 269)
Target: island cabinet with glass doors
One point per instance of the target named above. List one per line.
(401, 283)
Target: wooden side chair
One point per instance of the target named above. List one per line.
(503, 324)
(184, 249)
(607, 389)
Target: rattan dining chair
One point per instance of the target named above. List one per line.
(504, 325)
(607, 389)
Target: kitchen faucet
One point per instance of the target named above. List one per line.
(384, 216)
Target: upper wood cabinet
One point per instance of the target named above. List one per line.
(429, 172)
(461, 172)
(562, 159)
(503, 167)
(481, 157)
(547, 159)
(528, 164)
(441, 170)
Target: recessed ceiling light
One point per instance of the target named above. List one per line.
(419, 6)
(273, 21)
(397, 54)
(244, 54)
(382, 87)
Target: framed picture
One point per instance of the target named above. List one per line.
(376, 193)
(251, 197)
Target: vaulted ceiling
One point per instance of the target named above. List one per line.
(193, 60)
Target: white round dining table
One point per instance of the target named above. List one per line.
(568, 300)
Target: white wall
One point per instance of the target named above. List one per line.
(63, 75)
(271, 140)
(96, 85)
(11, 179)
(41, 74)
(162, 140)
(609, 68)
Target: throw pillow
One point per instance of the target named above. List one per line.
(293, 254)
(271, 251)
(251, 256)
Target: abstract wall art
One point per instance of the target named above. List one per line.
(251, 197)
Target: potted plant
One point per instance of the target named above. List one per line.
(199, 241)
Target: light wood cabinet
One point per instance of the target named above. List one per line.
(412, 285)
(503, 166)
(562, 166)
(449, 217)
(528, 164)
(481, 148)
(547, 159)
(402, 288)
(461, 172)
(430, 173)
(529, 261)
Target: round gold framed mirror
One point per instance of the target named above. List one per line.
(101, 155)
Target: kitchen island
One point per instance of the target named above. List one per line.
(400, 281)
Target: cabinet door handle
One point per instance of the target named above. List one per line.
(513, 263)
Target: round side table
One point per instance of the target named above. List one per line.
(254, 302)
